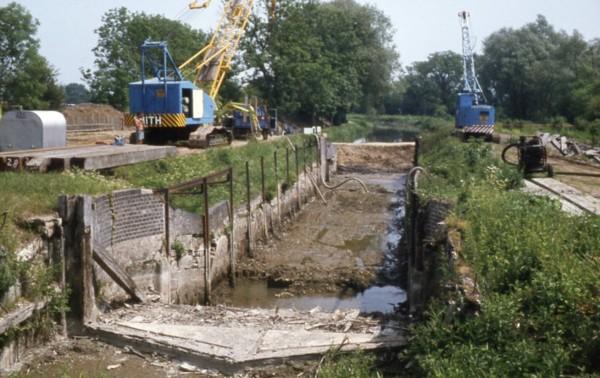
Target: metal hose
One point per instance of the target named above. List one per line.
(505, 150)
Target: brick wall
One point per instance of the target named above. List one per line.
(126, 215)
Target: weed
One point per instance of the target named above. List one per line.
(179, 249)
(355, 365)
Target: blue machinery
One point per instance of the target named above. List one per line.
(167, 99)
(177, 109)
(473, 117)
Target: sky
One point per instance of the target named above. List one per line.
(421, 27)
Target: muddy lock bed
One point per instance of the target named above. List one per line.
(342, 256)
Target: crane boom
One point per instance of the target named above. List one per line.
(212, 63)
(471, 84)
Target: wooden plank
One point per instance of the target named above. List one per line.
(115, 272)
(20, 315)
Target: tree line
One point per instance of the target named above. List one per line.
(531, 73)
(317, 61)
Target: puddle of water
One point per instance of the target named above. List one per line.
(253, 293)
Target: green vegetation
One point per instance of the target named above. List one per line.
(537, 269)
(322, 59)
(355, 365)
(25, 194)
(386, 128)
(530, 73)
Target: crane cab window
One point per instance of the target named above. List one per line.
(484, 117)
(186, 102)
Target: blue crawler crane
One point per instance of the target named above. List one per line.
(473, 117)
(171, 106)
(174, 108)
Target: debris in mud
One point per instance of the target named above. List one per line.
(570, 148)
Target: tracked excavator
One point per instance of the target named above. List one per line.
(175, 109)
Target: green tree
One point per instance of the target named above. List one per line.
(531, 72)
(432, 85)
(118, 51)
(76, 93)
(321, 59)
(26, 78)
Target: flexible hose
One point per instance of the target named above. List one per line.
(349, 179)
(505, 150)
(413, 177)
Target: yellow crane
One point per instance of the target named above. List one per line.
(213, 62)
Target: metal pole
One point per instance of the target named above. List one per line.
(249, 209)
(297, 177)
(231, 232)
(262, 178)
(167, 224)
(304, 167)
(304, 157)
(287, 166)
(205, 237)
(277, 187)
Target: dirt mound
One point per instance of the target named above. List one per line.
(93, 117)
(375, 157)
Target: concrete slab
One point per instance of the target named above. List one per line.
(570, 194)
(84, 157)
(533, 188)
(231, 339)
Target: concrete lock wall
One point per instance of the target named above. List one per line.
(130, 226)
(18, 308)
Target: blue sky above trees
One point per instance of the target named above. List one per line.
(421, 27)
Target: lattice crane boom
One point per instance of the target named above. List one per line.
(470, 82)
(212, 63)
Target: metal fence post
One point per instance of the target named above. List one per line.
(277, 187)
(297, 177)
(231, 232)
(262, 178)
(249, 210)
(167, 224)
(287, 166)
(205, 237)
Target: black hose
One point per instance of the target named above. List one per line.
(584, 174)
(4, 216)
(505, 150)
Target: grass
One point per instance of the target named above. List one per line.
(357, 364)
